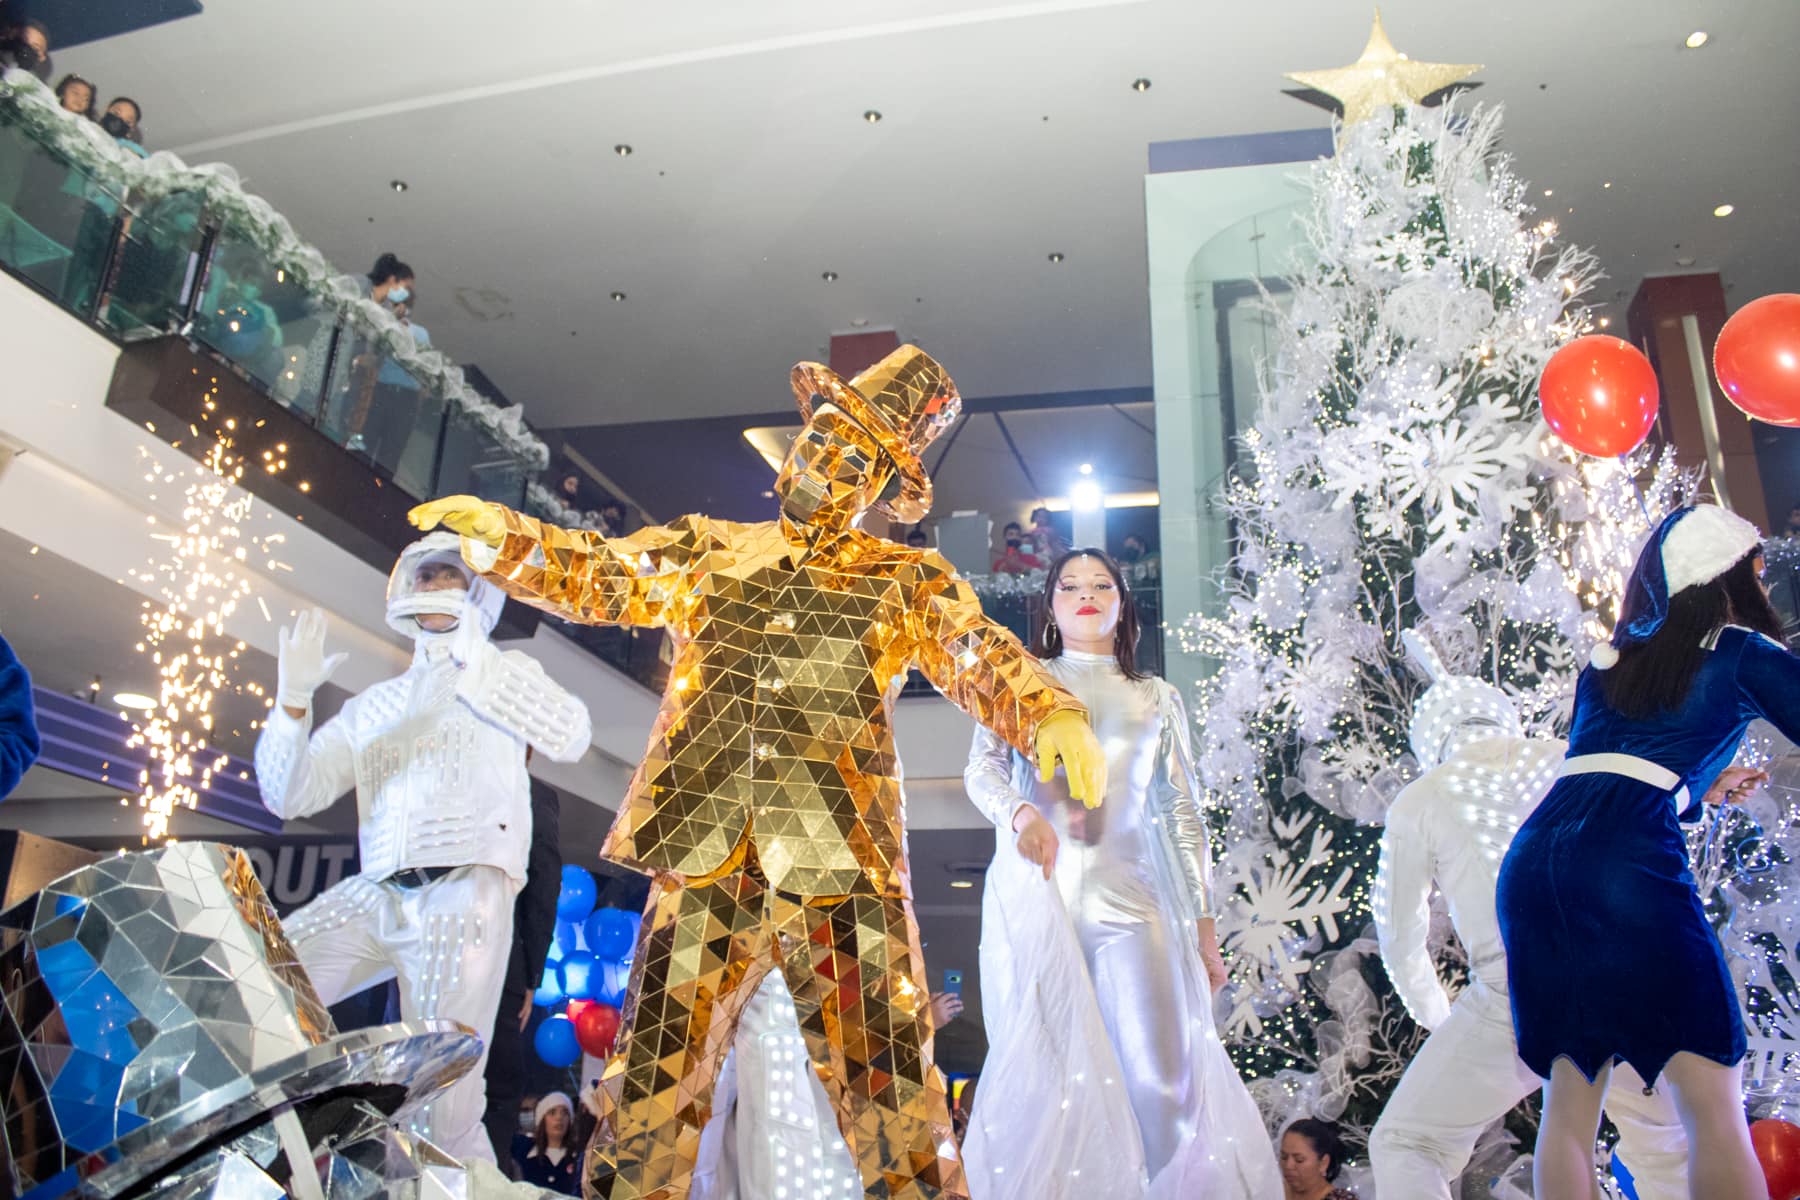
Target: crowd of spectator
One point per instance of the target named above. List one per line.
(25, 46)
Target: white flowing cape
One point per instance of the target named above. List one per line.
(1051, 1119)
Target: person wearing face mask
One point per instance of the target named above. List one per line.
(768, 809)
(1099, 954)
(123, 119)
(436, 756)
(390, 285)
(25, 45)
(1016, 559)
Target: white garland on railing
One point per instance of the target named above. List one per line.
(250, 216)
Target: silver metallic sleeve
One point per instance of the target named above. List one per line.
(1177, 792)
(300, 775)
(511, 689)
(988, 778)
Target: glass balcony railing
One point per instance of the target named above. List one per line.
(156, 249)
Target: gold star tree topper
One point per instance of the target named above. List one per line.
(1382, 78)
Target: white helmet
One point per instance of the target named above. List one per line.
(1455, 710)
(478, 600)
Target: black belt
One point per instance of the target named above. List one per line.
(413, 877)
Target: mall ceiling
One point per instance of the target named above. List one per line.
(1007, 133)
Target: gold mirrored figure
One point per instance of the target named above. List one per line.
(768, 807)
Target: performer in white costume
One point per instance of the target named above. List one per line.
(1452, 826)
(1105, 1073)
(437, 758)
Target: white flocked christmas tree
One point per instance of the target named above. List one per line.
(1397, 475)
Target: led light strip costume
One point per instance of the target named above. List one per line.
(1451, 827)
(768, 807)
(437, 758)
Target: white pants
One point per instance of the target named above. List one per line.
(1468, 1074)
(447, 943)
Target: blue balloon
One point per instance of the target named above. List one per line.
(613, 978)
(578, 976)
(577, 899)
(556, 1043)
(612, 933)
(549, 990)
(568, 937)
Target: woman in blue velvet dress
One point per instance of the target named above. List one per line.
(1609, 954)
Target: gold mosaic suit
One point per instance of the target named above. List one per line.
(768, 808)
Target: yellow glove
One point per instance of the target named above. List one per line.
(471, 516)
(1066, 736)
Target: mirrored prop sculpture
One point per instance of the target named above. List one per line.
(159, 1038)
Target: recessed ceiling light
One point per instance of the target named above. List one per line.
(768, 495)
(1724, 210)
(1140, 85)
(399, 185)
(622, 150)
(871, 116)
(1696, 39)
(859, 322)
(134, 700)
(1684, 260)
(1087, 468)
(829, 277)
(618, 295)
(1549, 191)
(1056, 256)
(1607, 184)
(961, 883)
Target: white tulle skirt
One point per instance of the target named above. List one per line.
(1052, 1119)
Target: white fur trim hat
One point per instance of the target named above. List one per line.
(550, 1103)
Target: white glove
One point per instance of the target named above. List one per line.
(302, 665)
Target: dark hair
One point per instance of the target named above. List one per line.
(1036, 511)
(1048, 642)
(1012, 525)
(387, 267)
(71, 80)
(540, 1140)
(136, 108)
(1323, 1137)
(1654, 676)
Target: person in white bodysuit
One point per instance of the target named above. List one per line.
(1105, 1074)
(437, 758)
(1451, 827)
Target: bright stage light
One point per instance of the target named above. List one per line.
(1085, 495)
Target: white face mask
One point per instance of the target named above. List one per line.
(527, 1122)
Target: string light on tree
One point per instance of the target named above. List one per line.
(1399, 476)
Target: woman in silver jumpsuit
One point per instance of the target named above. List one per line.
(1099, 956)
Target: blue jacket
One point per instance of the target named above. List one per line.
(18, 721)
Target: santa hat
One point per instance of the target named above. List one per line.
(550, 1104)
(1692, 546)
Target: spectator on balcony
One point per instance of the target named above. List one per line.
(123, 119)
(76, 95)
(390, 283)
(1138, 558)
(915, 537)
(26, 46)
(612, 519)
(396, 410)
(1016, 559)
(1047, 541)
(1793, 525)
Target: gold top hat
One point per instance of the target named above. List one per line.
(904, 402)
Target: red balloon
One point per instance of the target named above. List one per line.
(1757, 359)
(595, 1028)
(1599, 394)
(1778, 1150)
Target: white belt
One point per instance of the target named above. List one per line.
(1632, 767)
